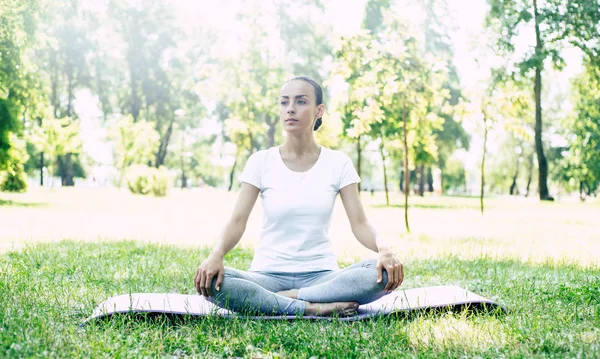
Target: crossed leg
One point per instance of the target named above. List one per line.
(357, 283)
(251, 293)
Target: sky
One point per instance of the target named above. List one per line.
(345, 17)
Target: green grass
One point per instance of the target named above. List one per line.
(9, 203)
(540, 260)
(48, 289)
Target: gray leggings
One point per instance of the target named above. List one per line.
(254, 292)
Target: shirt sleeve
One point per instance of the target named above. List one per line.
(348, 174)
(252, 171)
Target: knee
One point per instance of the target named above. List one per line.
(227, 273)
(369, 263)
(369, 276)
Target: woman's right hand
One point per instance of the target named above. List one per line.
(211, 267)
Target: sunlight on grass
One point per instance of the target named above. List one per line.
(519, 228)
(458, 334)
(540, 260)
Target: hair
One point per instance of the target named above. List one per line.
(318, 95)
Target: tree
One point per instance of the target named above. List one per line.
(392, 84)
(158, 62)
(437, 28)
(556, 23)
(581, 167)
(18, 82)
(63, 52)
(134, 143)
(15, 178)
(57, 137)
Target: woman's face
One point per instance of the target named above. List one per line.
(298, 108)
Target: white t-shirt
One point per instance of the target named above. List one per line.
(297, 209)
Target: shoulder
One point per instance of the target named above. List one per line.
(260, 157)
(336, 156)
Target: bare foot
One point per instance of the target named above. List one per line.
(343, 309)
(292, 293)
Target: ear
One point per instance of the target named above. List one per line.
(320, 111)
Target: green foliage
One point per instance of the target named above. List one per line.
(17, 78)
(556, 23)
(387, 75)
(56, 137)
(145, 180)
(134, 143)
(582, 163)
(14, 179)
(453, 176)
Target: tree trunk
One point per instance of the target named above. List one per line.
(429, 179)
(406, 171)
(66, 163)
(42, 169)
(231, 174)
(54, 98)
(358, 161)
(65, 169)
(514, 190)
(542, 162)
(421, 180)
(402, 180)
(485, 137)
(272, 123)
(385, 182)
(183, 176)
(70, 92)
(530, 175)
(135, 98)
(164, 144)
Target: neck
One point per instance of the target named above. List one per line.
(300, 144)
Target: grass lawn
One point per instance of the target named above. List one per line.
(538, 259)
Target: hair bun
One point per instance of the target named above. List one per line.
(318, 123)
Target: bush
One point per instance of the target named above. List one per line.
(15, 179)
(146, 180)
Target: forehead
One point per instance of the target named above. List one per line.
(297, 87)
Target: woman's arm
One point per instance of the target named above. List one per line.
(235, 227)
(362, 229)
(366, 235)
(231, 235)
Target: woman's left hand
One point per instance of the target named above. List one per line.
(395, 270)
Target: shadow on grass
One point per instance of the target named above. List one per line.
(9, 203)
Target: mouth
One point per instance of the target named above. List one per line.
(291, 120)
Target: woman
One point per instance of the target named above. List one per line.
(294, 270)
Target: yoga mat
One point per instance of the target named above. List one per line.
(405, 300)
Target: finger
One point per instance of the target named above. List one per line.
(219, 281)
(399, 276)
(197, 281)
(208, 284)
(379, 272)
(396, 283)
(201, 285)
(391, 278)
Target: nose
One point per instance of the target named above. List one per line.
(290, 109)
